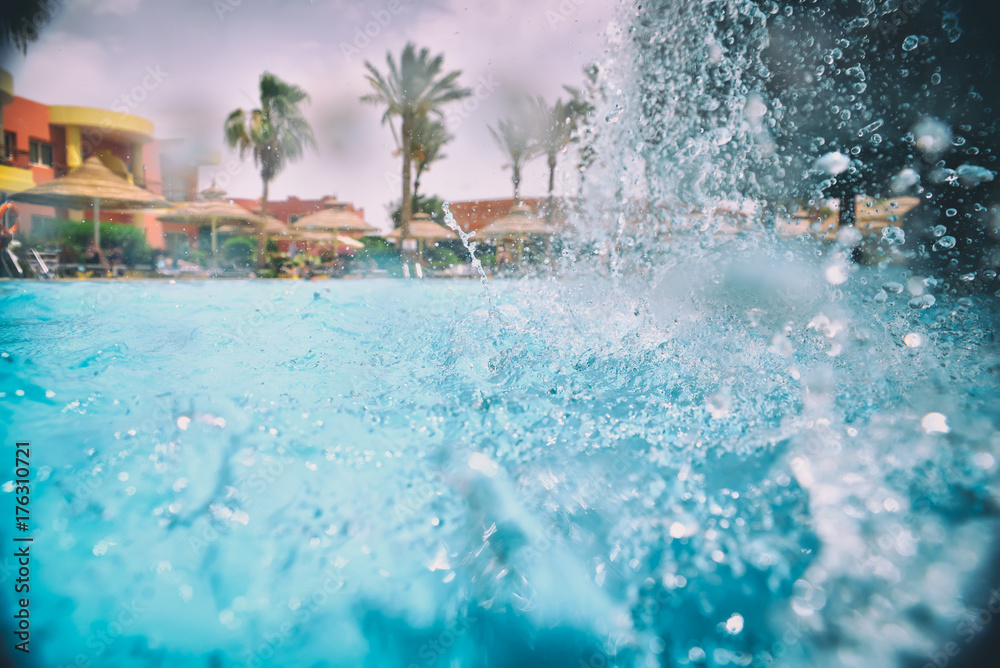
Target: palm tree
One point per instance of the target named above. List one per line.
(276, 133)
(429, 137)
(556, 125)
(558, 129)
(21, 22)
(412, 91)
(517, 139)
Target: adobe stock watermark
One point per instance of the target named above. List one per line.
(432, 651)
(562, 13)
(31, 28)
(462, 110)
(363, 35)
(102, 639)
(128, 101)
(968, 629)
(304, 610)
(224, 177)
(92, 137)
(220, 520)
(249, 325)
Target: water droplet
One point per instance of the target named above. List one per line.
(836, 274)
(734, 625)
(913, 340)
(939, 230)
(910, 43)
(893, 287)
(935, 423)
(893, 235)
(935, 78)
(922, 302)
(832, 163)
(945, 242)
(480, 462)
(971, 176)
(984, 460)
(951, 213)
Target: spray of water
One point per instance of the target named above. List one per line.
(706, 444)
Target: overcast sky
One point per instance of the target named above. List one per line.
(209, 55)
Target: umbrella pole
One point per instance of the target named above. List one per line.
(97, 223)
(215, 246)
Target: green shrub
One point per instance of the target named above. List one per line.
(78, 234)
(384, 254)
(441, 258)
(488, 260)
(239, 250)
(199, 257)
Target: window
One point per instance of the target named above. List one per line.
(9, 143)
(40, 152)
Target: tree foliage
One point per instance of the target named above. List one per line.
(275, 133)
(411, 91)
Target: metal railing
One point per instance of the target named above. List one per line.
(16, 158)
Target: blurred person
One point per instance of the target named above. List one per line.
(6, 235)
(94, 256)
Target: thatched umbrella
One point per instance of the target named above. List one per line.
(519, 222)
(321, 236)
(92, 185)
(422, 228)
(334, 216)
(215, 211)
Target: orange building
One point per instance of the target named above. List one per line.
(474, 216)
(42, 142)
(293, 208)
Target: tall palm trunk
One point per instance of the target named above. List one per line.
(517, 182)
(552, 174)
(404, 214)
(262, 241)
(552, 187)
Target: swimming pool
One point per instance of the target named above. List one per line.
(707, 472)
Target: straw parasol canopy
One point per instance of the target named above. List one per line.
(269, 226)
(425, 229)
(321, 236)
(334, 216)
(519, 222)
(92, 185)
(215, 211)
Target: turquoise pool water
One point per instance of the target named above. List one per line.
(714, 469)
